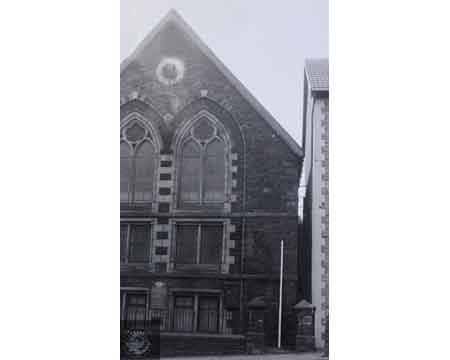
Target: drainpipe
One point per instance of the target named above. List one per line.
(243, 226)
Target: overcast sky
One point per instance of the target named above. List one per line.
(264, 43)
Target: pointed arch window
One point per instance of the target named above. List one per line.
(137, 164)
(203, 165)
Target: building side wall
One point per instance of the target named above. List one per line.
(320, 217)
(305, 249)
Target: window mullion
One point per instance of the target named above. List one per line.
(133, 176)
(127, 242)
(198, 244)
(150, 240)
(124, 299)
(195, 312)
(202, 157)
(147, 308)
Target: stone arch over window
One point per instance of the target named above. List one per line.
(140, 146)
(202, 153)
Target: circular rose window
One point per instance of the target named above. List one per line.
(170, 71)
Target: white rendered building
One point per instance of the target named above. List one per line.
(315, 186)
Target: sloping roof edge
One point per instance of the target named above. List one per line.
(174, 17)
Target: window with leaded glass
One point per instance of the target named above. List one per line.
(135, 243)
(203, 165)
(137, 164)
(199, 244)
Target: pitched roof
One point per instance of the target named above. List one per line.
(174, 17)
(317, 74)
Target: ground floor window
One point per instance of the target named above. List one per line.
(184, 314)
(208, 314)
(196, 313)
(134, 309)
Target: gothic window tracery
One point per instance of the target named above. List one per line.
(138, 155)
(203, 161)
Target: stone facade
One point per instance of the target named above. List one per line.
(260, 207)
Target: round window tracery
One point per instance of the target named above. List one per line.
(170, 71)
(135, 132)
(204, 130)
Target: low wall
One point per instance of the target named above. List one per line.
(173, 344)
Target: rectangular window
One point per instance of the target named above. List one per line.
(211, 243)
(135, 241)
(208, 314)
(184, 314)
(196, 313)
(187, 244)
(134, 313)
(199, 244)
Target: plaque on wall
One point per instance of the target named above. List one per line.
(158, 296)
(231, 296)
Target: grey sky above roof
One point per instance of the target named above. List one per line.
(262, 43)
(317, 74)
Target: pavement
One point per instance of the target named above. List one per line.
(291, 356)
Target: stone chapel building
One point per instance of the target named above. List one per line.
(209, 188)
